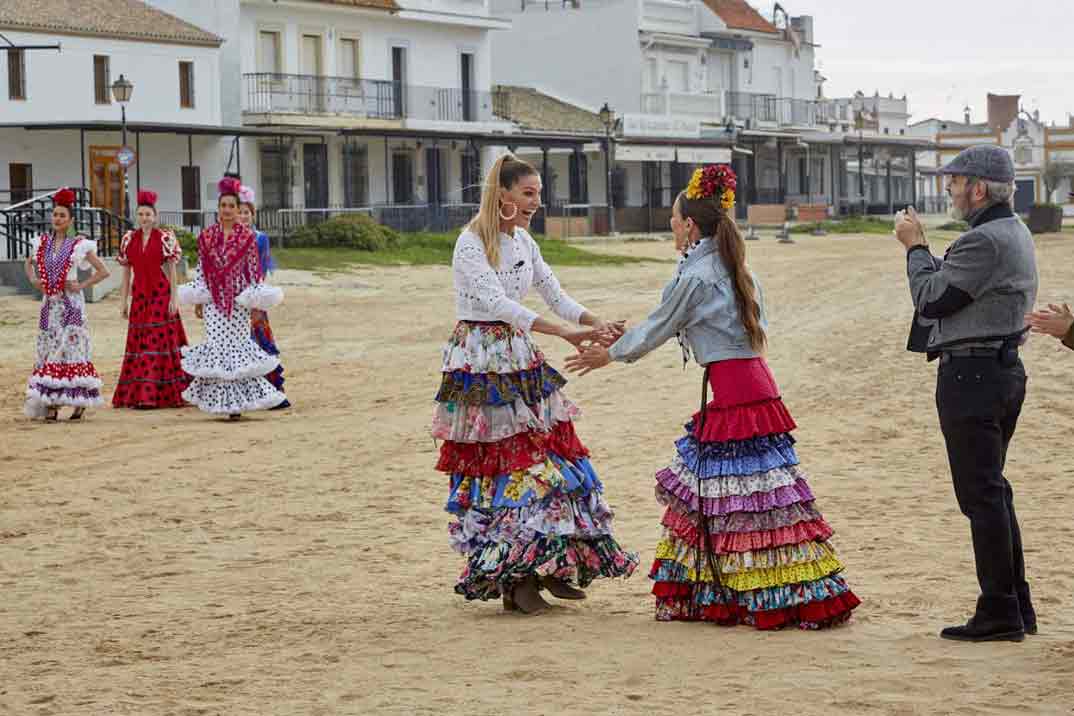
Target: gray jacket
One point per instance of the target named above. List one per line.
(980, 292)
(700, 302)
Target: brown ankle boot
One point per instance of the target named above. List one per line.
(526, 597)
(561, 590)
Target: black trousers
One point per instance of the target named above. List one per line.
(979, 400)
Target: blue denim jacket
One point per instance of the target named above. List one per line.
(700, 302)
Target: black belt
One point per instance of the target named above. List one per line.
(993, 353)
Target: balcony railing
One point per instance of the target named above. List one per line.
(707, 106)
(747, 105)
(271, 93)
(770, 108)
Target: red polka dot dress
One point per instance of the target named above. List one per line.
(152, 375)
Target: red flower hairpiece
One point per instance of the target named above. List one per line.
(714, 181)
(147, 197)
(229, 185)
(64, 197)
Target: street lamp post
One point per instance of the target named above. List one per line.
(122, 89)
(607, 118)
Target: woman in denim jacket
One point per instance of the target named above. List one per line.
(743, 540)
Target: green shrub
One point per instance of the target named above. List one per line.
(351, 231)
(959, 226)
(849, 225)
(187, 239)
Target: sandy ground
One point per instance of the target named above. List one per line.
(297, 563)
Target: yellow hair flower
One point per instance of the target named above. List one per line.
(693, 189)
(728, 199)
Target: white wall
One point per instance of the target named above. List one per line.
(433, 49)
(60, 85)
(586, 56)
(220, 17)
(769, 53)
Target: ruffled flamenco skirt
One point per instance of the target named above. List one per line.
(152, 374)
(766, 540)
(229, 368)
(64, 374)
(525, 497)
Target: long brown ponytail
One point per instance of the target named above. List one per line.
(716, 224)
(504, 174)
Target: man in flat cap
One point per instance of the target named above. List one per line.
(970, 310)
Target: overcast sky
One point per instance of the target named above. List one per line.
(946, 54)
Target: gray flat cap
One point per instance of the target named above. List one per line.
(984, 161)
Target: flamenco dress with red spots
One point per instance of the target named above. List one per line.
(152, 375)
(63, 374)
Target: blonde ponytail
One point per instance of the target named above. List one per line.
(504, 174)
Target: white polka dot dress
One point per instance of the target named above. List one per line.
(229, 368)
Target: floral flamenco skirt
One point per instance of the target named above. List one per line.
(761, 554)
(525, 497)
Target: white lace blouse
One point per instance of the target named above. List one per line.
(482, 294)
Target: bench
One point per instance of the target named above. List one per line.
(773, 216)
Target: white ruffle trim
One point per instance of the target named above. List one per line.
(82, 249)
(84, 382)
(491, 423)
(260, 297)
(191, 294)
(264, 403)
(252, 370)
(38, 404)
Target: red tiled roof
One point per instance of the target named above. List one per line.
(739, 15)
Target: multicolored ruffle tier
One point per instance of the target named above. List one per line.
(765, 537)
(525, 496)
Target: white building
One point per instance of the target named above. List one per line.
(59, 122)
(373, 105)
(1032, 144)
(698, 81)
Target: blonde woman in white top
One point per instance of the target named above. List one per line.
(529, 506)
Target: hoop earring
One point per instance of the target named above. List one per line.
(512, 216)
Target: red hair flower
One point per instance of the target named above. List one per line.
(64, 197)
(147, 197)
(229, 185)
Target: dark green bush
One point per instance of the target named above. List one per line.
(960, 226)
(351, 231)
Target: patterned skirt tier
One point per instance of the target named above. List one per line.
(525, 497)
(64, 374)
(743, 540)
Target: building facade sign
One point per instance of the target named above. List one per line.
(704, 155)
(643, 153)
(649, 125)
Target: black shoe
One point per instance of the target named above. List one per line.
(984, 631)
(1031, 628)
